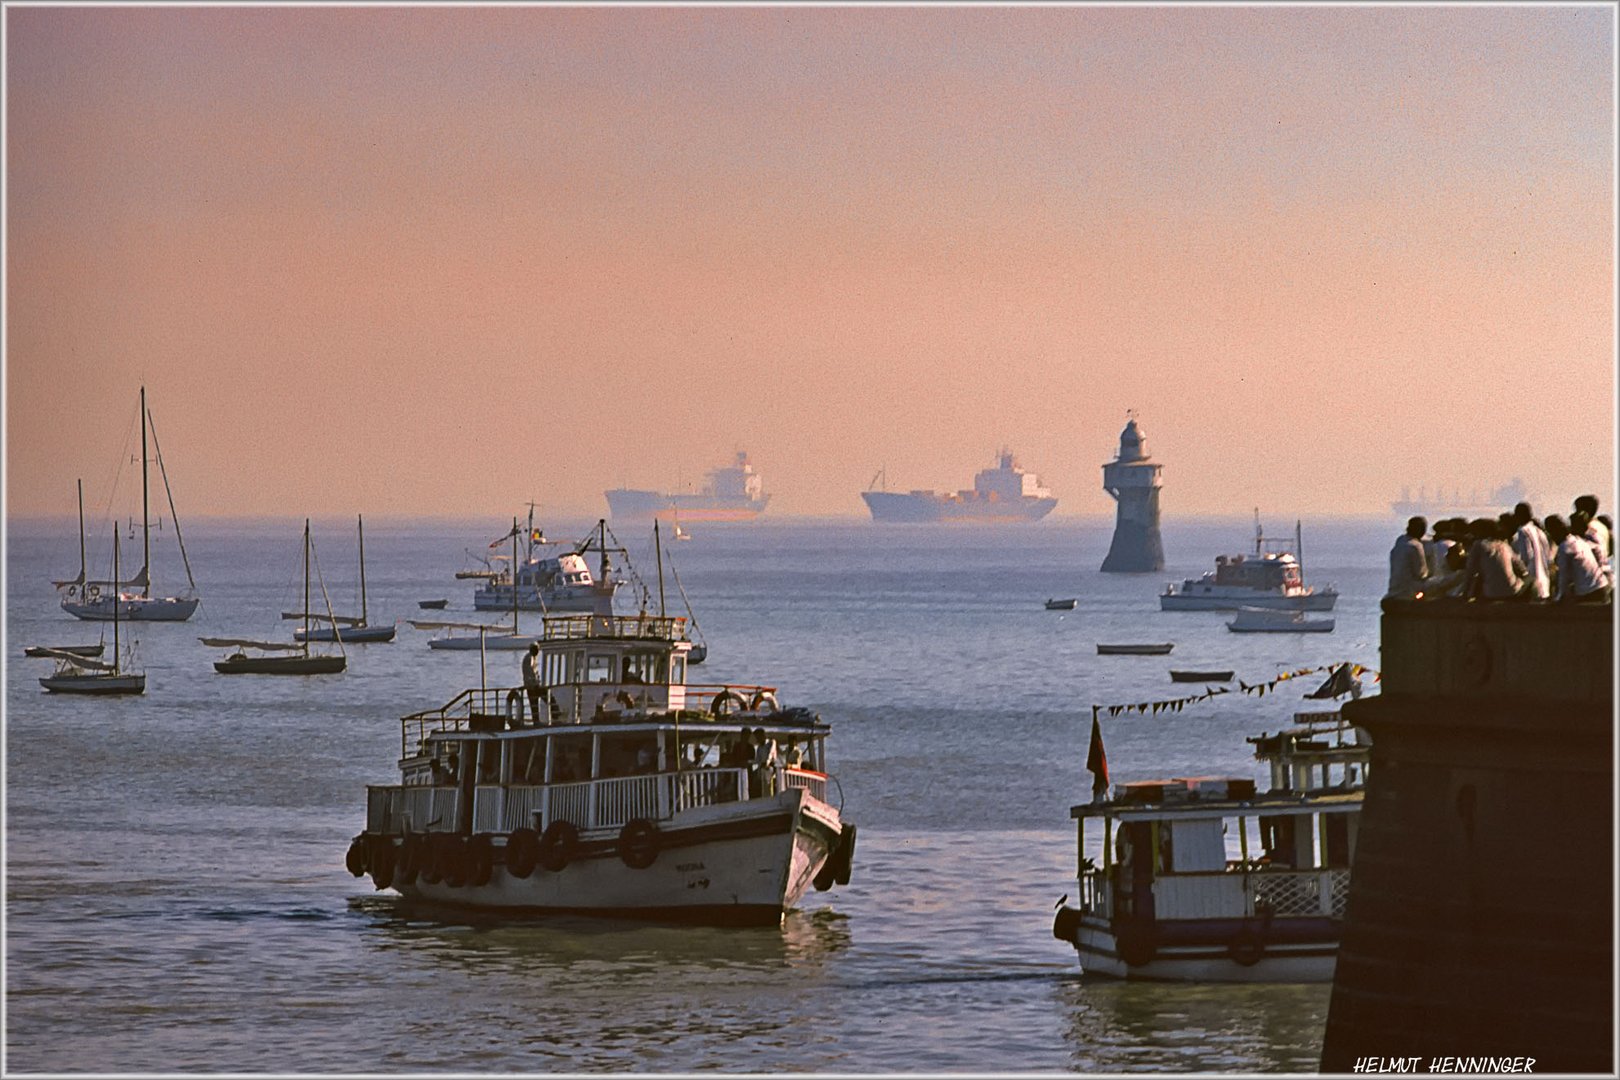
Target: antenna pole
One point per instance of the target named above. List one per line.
(363, 615)
(658, 552)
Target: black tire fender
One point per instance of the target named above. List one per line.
(522, 852)
(557, 844)
(355, 860)
(638, 844)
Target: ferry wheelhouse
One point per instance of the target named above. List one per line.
(1271, 577)
(1202, 879)
(632, 794)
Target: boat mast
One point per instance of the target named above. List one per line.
(146, 532)
(1259, 535)
(306, 590)
(515, 578)
(82, 564)
(601, 526)
(362, 526)
(658, 553)
(1299, 550)
(116, 599)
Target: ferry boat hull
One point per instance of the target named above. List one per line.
(1217, 951)
(743, 865)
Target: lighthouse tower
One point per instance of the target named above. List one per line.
(1133, 480)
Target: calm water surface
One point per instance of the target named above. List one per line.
(176, 897)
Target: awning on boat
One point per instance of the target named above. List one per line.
(231, 642)
(424, 625)
(76, 659)
(351, 620)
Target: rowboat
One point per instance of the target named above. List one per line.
(1135, 650)
(1200, 676)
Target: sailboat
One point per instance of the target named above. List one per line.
(700, 648)
(483, 635)
(80, 674)
(345, 628)
(99, 600)
(281, 658)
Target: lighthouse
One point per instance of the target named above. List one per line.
(1133, 480)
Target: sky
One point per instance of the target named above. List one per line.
(444, 261)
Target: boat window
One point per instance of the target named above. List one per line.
(699, 751)
(554, 669)
(632, 753)
(678, 674)
(598, 667)
(528, 761)
(643, 668)
(571, 758)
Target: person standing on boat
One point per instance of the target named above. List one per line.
(1493, 572)
(1408, 565)
(531, 680)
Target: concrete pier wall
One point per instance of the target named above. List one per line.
(1481, 909)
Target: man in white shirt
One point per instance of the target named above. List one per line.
(1407, 564)
(1531, 546)
(1595, 530)
(1581, 576)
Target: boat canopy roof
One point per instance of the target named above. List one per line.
(76, 659)
(248, 643)
(1267, 805)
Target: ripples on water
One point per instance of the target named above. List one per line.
(176, 898)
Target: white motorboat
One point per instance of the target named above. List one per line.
(346, 628)
(558, 583)
(631, 794)
(79, 672)
(1203, 879)
(1268, 621)
(1272, 577)
(95, 600)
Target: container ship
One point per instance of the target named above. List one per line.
(1437, 504)
(734, 493)
(1000, 494)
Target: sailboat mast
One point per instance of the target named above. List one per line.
(515, 578)
(360, 518)
(116, 599)
(601, 525)
(83, 566)
(146, 531)
(306, 585)
(1299, 550)
(658, 552)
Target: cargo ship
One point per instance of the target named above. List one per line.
(1437, 504)
(734, 493)
(1000, 494)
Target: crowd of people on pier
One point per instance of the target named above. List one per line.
(1510, 557)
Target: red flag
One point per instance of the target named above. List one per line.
(1097, 760)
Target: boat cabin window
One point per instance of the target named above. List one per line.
(527, 761)
(632, 753)
(489, 762)
(598, 667)
(699, 751)
(571, 758)
(678, 670)
(640, 667)
(445, 767)
(554, 669)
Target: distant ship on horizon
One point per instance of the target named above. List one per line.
(734, 493)
(1439, 505)
(1001, 494)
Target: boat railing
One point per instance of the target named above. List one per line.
(1311, 893)
(591, 804)
(1095, 896)
(653, 627)
(494, 707)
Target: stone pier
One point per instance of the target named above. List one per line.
(1481, 907)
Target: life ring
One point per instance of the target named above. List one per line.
(355, 860)
(522, 852)
(1247, 949)
(514, 708)
(556, 844)
(638, 844)
(93, 593)
(72, 592)
(480, 852)
(382, 862)
(717, 707)
(410, 859)
(762, 699)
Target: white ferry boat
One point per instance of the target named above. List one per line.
(1272, 577)
(561, 583)
(636, 795)
(1204, 880)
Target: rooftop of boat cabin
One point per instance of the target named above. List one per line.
(1269, 804)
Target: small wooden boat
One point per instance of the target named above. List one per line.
(1135, 650)
(1200, 676)
(57, 650)
(432, 605)
(1061, 605)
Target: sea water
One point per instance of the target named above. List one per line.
(176, 896)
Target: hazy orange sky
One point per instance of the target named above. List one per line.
(443, 261)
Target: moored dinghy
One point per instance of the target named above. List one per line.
(635, 794)
(1158, 649)
(1061, 605)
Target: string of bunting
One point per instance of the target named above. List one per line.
(1260, 689)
